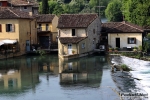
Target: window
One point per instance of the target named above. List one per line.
(0, 4)
(73, 32)
(10, 28)
(94, 31)
(0, 28)
(39, 27)
(25, 7)
(83, 45)
(131, 40)
(47, 27)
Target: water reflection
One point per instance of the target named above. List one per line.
(87, 71)
(18, 74)
(48, 76)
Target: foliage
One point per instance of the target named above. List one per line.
(136, 11)
(145, 46)
(140, 48)
(45, 7)
(113, 11)
(52, 5)
(41, 52)
(116, 48)
(148, 36)
(125, 67)
(71, 6)
(110, 48)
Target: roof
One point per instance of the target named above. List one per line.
(76, 20)
(74, 40)
(146, 27)
(122, 27)
(14, 14)
(45, 18)
(22, 2)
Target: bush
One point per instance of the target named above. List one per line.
(41, 52)
(125, 67)
(140, 48)
(116, 48)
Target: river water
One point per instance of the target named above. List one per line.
(49, 78)
(140, 70)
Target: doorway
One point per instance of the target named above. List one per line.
(27, 45)
(69, 49)
(118, 42)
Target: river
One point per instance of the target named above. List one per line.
(49, 78)
(140, 71)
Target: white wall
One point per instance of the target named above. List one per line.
(123, 39)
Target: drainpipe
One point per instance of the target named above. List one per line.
(30, 33)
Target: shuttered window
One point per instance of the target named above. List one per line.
(0, 28)
(131, 40)
(10, 28)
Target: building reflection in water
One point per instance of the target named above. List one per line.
(87, 71)
(16, 75)
(49, 66)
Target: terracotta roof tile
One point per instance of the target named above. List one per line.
(146, 27)
(45, 18)
(76, 20)
(65, 40)
(122, 27)
(13, 14)
(22, 2)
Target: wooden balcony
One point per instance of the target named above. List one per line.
(41, 30)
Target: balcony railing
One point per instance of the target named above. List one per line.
(40, 29)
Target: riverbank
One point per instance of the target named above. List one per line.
(133, 81)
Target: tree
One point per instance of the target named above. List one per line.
(113, 11)
(58, 10)
(45, 7)
(137, 11)
(52, 5)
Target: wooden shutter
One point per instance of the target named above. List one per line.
(135, 40)
(13, 27)
(7, 28)
(0, 28)
(128, 40)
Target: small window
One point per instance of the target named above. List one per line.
(47, 27)
(39, 27)
(131, 40)
(10, 28)
(93, 31)
(83, 45)
(73, 32)
(25, 7)
(0, 28)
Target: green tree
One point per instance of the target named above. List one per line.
(45, 7)
(113, 11)
(52, 5)
(58, 10)
(137, 11)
